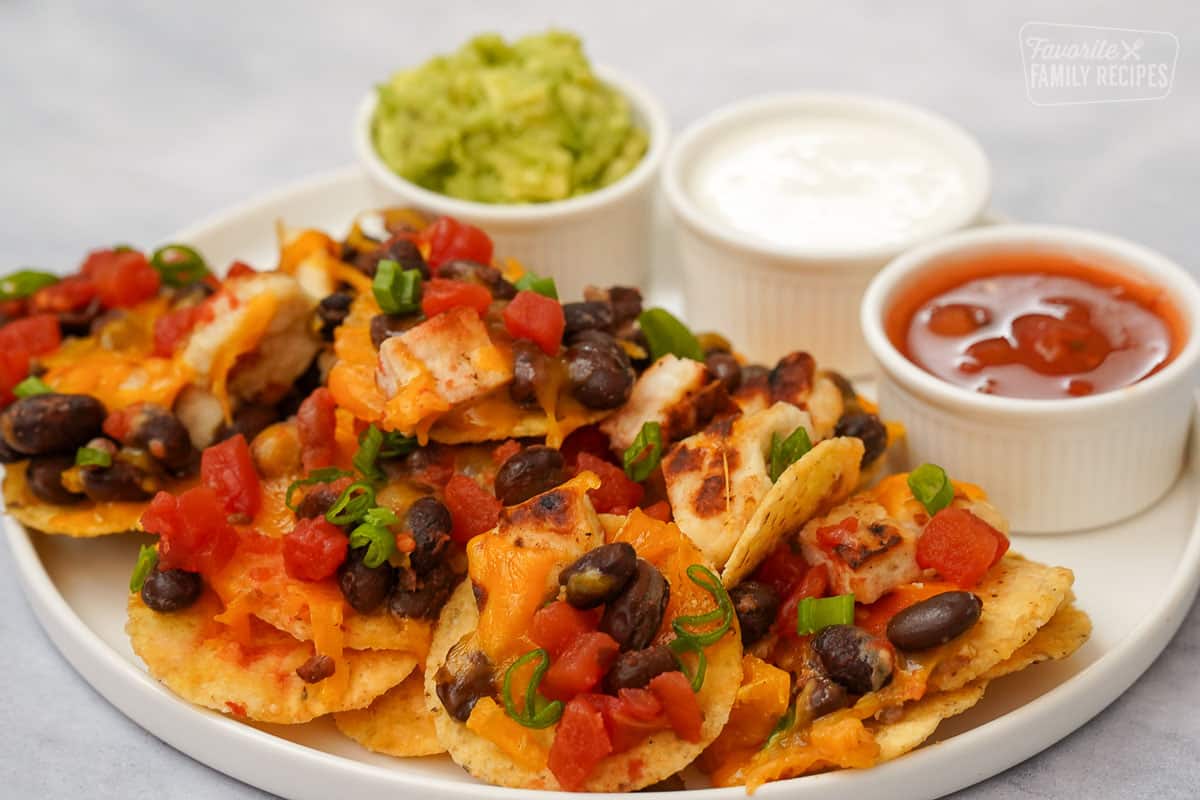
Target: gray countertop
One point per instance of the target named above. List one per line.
(125, 122)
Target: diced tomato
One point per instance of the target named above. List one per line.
(679, 701)
(239, 269)
(580, 743)
(959, 546)
(70, 294)
(581, 666)
(815, 583)
(660, 511)
(171, 328)
(875, 617)
(588, 439)
(228, 469)
(442, 295)
(617, 493)
(13, 309)
(783, 569)
(434, 467)
(537, 318)
(630, 717)
(830, 536)
(314, 549)
(194, 534)
(557, 624)
(13, 370)
(448, 240)
(473, 509)
(122, 279)
(505, 451)
(20, 341)
(317, 424)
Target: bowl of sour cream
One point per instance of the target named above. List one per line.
(787, 205)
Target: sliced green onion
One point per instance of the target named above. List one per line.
(397, 445)
(92, 457)
(643, 455)
(23, 283)
(352, 504)
(534, 283)
(322, 475)
(374, 444)
(814, 615)
(782, 726)
(667, 335)
(930, 484)
(374, 535)
(538, 712)
(31, 386)
(678, 648)
(785, 452)
(179, 264)
(398, 290)
(146, 562)
(684, 627)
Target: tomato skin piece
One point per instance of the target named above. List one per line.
(679, 702)
(72, 293)
(194, 534)
(538, 318)
(20, 341)
(440, 295)
(580, 666)
(617, 494)
(783, 569)
(630, 717)
(660, 511)
(557, 624)
(815, 583)
(588, 439)
(317, 425)
(240, 269)
(228, 469)
(314, 549)
(473, 509)
(121, 279)
(172, 328)
(580, 743)
(959, 546)
(842, 532)
(448, 239)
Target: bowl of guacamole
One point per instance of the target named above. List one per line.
(527, 139)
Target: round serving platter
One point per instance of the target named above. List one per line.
(1136, 579)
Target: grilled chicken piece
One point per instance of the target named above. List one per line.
(678, 393)
(866, 551)
(716, 478)
(795, 380)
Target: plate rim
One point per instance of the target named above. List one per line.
(259, 758)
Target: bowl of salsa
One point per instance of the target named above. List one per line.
(1055, 364)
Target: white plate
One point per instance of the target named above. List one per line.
(1137, 581)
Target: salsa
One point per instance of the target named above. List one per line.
(1035, 325)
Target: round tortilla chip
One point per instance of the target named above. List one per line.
(921, 718)
(198, 659)
(397, 724)
(1066, 632)
(377, 631)
(84, 520)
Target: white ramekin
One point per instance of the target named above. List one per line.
(769, 299)
(1051, 466)
(600, 238)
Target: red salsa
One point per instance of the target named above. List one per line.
(1035, 325)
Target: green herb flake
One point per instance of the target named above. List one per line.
(92, 457)
(179, 265)
(785, 452)
(147, 560)
(397, 290)
(23, 283)
(641, 457)
(33, 385)
(666, 335)
(931, 485)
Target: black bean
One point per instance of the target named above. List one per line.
(529, 472)
(171, 589)
(459, 691)
(121, 482)
(485, 275)
(400, 249)
(725, 368)
(854, 658)
(332, 311)
(250, 420)
(421, 597)
(8, 455)
(44, 477)
(317, 501)
(626, 303)
(599, 575)
(935, 621)
(51, 423)
(633, 670)
(754, 375)
(317, 668)
(599, 371)
(826, 697)
(756, 605)
(633, 617)
(867, 427)
(385, 326)
(365, 588)
(160, 433)
(302, 387)
(79, 322)
(590, 315)
(792, 378)
(529, 371)
(430, 523)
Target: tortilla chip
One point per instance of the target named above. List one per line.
(1019, 597)
(82, 521)
(822, 478)
(378, 631)
(921, 718)
(1065, 633)
(397, 724)
(200, 661)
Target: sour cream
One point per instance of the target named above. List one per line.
(825, 181)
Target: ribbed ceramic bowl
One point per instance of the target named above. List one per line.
(1053, 465)
(772, 299)
(602, 238)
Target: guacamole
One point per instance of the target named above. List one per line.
(526, 122)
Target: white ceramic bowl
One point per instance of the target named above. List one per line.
(601, 238)
(771, 299)
(1051, 465)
